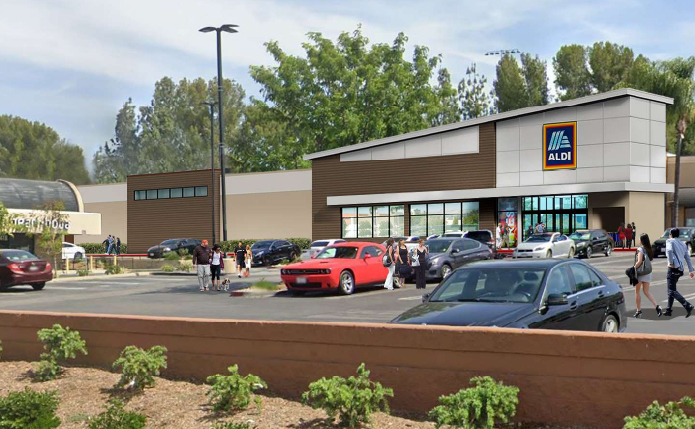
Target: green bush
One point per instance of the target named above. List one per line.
(60, 344)
(168, 268)
(100, 249)
(669, 416)
(172, 256)
(183, 252)
(230, 245)
(232, 425)
(352, 400)
(185, 267)
(114, 269)
(83, 272)
(303, 243)
(479, 407)
(139, 367)
(233, 392)
(28, 409)
(116, 417)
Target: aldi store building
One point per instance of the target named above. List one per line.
(592, 162)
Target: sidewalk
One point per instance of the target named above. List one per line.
(100, 274)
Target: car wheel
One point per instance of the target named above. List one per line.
(38, 286)
(549, 254)
(77, 257)
(266, 261)
(446, 270)
(293, 256)
(609, 249)
(347, 283)
(589, 252)
(570, 254)
(2, 287)
(610, 324)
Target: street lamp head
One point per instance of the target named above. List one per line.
(207, 29)
(229, 28)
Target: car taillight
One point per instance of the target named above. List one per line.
(48, 267)
(14, 268)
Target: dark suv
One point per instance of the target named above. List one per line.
(173, 245)
(269, 252)
(592, 241)
(686, 236)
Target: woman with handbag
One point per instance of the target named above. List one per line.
(643, 268)
(403, 260)
(390, 264)
(420, 265)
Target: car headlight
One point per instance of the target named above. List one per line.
(581, 244)
(259, 253)
(539, 248)
(166, 249)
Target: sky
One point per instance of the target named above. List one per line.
(73, 63)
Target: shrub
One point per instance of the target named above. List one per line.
(83, 272)
(232, 425)
(100, 249)
(172, 256)
(479, 407)
(114, 269)
(60, 344)
(29, 409)
(186, 267)
(183, 252)
(353, 400)
(168, 268)
(139, 366)
(233, 392)
(669, 416)
(116, 417)
(303, 243)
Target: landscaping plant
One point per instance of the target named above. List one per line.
(172, 256)
(233, 392)
(352, 400)
(116, 417)
(28, 409)
(669, 416)
(114, 269)
(185, 267)
(139, 366)
(168, 268)
(60, 344)
(232, 425)
(83, 272)
(478, 407)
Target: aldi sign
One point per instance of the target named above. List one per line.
(560, 146)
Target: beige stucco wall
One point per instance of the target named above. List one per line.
(646, 211)
(114, 221)
(269, 215)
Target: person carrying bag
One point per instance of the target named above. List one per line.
(389, 262)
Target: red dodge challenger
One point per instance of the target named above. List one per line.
(343, 266)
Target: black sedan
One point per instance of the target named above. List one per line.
(541, 294)
(269, 252)
(173, 245)
(686, 236)
(447, 254)
(590, 242)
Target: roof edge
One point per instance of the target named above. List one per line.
(594, 98)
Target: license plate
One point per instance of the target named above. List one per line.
(33, 268)
(301, 280)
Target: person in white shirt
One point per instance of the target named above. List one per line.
(676, 253)
(499, 233)
(216, 266)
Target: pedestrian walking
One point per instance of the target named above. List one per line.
(420, 265)
(216, 266)
(634, 231)
(498, 235)
(676, 252)
(105, 243)
(249, 260)
(529, 232)
(240, 254)
(403, 259)
(505, 235)
(201, 260)
(621, 235)
(118, 246)
(390, 263)
(112, 245)
(643, 268)
(628, 235)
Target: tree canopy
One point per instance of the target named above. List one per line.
(518, 86)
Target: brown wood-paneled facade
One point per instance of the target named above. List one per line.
(152, 221)
(331, 177)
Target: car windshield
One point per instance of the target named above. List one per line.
(169, 242)
(262, 244)
(480, 284)
(17, 255)
(479, 235)
(319, 244)
(342, 252)
(580, 235)
(453, 234)
(438, 246)
(539, 238)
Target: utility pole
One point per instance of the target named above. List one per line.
(211, 105)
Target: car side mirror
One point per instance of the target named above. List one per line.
(557, 299)
(455, 251)
(425, 297)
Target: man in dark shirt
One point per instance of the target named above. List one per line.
(240, 253)
(201, 259)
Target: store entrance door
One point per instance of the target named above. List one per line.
(564, 214)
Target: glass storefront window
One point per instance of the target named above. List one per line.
(372, 222)
(471, 216)
(349, 222)
(381, 221)
(435, 224)
(690, 216)
(418, 209)
(397, 226)
(364, 225)
(559, 213)
(418, 226)
(580, 201)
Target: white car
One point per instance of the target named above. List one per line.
(455, 234)
(546, 245)
(71, 251)
(318, 245)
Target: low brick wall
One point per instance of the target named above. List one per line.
(566, 378)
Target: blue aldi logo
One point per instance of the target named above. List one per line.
(560, 146)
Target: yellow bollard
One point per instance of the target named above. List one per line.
(67, 265)
(91, 263)
(115, 260)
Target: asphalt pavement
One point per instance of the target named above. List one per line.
(178, 296)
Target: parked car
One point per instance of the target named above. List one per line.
(318, 245)
(484, 236)
(537, 294)
(686, 235)
(72, 251)
(269, 252)
(19, 267)
(342, 267)
(591, 241)
(173, 245)
(447, 254)
(454, 234)
(546, 245)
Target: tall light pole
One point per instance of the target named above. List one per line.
(211, 105)
(229, 28)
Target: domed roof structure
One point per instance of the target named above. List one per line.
(34, 194)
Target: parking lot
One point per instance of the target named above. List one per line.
(178, 296)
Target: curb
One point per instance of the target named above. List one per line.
(100, 277)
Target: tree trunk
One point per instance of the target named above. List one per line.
(676, 190)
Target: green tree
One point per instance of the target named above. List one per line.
(536, 80)
(518, 86)
(346, 92)
(33, 150)
(572, 77)
(49, 238)
(610, 64)
(474, 101)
